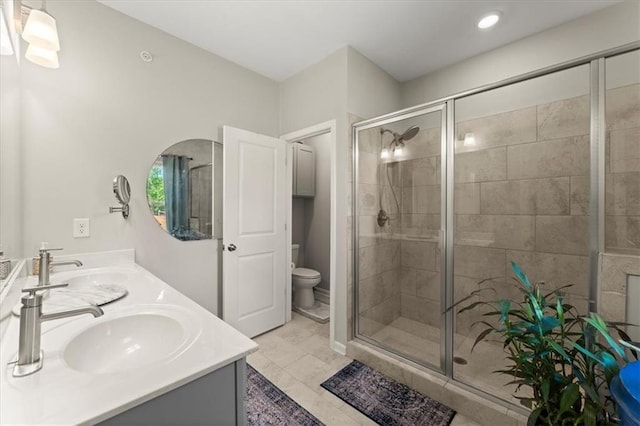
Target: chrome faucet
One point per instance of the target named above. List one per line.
(30, 357)
(46, 263)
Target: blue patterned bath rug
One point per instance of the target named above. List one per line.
(384, 400)
(268, 405)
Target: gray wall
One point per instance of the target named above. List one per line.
(610, 27)
(105, 112)
(317, 219)
(11, 157)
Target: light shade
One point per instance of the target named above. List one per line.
(384, 154)
(41, 30)
(6, 48)
(469, 139)
(44, 57)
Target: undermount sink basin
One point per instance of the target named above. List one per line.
(98, 278)
(129, 342)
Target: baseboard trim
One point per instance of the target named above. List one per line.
(339, 347)
(322, 295)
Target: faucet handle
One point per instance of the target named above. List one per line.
(33, 290)
(47, 250)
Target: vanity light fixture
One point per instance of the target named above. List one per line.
(489, 20)
(384, 154)
(43, 57)
(41, 32)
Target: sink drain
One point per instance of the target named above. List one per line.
(459, 360)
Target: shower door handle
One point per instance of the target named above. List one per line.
(232, 247)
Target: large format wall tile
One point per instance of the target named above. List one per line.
(567, 117)
(481, 166)
(560, 157)
(368, 199)
(553, 269)
(418, 254)
(479, 262)
(623, 107)
(369, 140)
(467, 198)
(368, 168)
(532, 196)
(428, 284)
(625, 150)
(420, 224)
(422, 310)
(501, 231)
(408, 283)
(421, 199)
(427, 143)
(623, 194)
(622, 232)
(368, 231)
(421, 171)
(579, 195)
(562, 234)
(508, 128)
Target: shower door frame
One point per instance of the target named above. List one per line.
(377, 122)
(446, 105)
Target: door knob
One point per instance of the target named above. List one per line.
(232, 247)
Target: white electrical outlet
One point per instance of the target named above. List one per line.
(81, 228)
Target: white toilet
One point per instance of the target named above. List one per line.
(303, 281)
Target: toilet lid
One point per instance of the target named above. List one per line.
(306, 273)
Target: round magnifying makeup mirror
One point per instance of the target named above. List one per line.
(121, 189)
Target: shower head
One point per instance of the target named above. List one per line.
(410, 133)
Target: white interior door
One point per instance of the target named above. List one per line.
(254, 221)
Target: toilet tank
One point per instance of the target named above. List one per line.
(294, 253)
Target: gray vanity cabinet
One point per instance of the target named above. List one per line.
(217, 399)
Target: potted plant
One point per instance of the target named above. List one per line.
(565, 358)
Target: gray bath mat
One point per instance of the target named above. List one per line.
(268, 405)
(384, 400)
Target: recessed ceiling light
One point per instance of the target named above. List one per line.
(489, 20)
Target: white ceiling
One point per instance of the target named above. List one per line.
(406, 38)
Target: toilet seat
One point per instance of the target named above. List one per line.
(305, 273)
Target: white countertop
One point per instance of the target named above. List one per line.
(58, 394)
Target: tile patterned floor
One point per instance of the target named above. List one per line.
(296, 357)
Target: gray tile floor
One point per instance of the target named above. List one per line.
(296, 357)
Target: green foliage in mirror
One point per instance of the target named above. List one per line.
(155, 190)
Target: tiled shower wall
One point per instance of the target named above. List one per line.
(521, 195)
(379, 250)
(622, 208)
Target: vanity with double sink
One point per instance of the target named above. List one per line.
(149, 356)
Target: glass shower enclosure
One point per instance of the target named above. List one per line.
(448, 194)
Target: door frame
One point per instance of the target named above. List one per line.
(308, 132)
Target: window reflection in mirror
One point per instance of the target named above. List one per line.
(180, 190)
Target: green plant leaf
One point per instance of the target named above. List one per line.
(481, 336)
(556, 347)
(521, 276)
(598, 323)
(533, 417)
(569, 397)
(545, 388)
(590, 415)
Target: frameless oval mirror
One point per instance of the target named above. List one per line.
(121, 189)
(180, 189)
